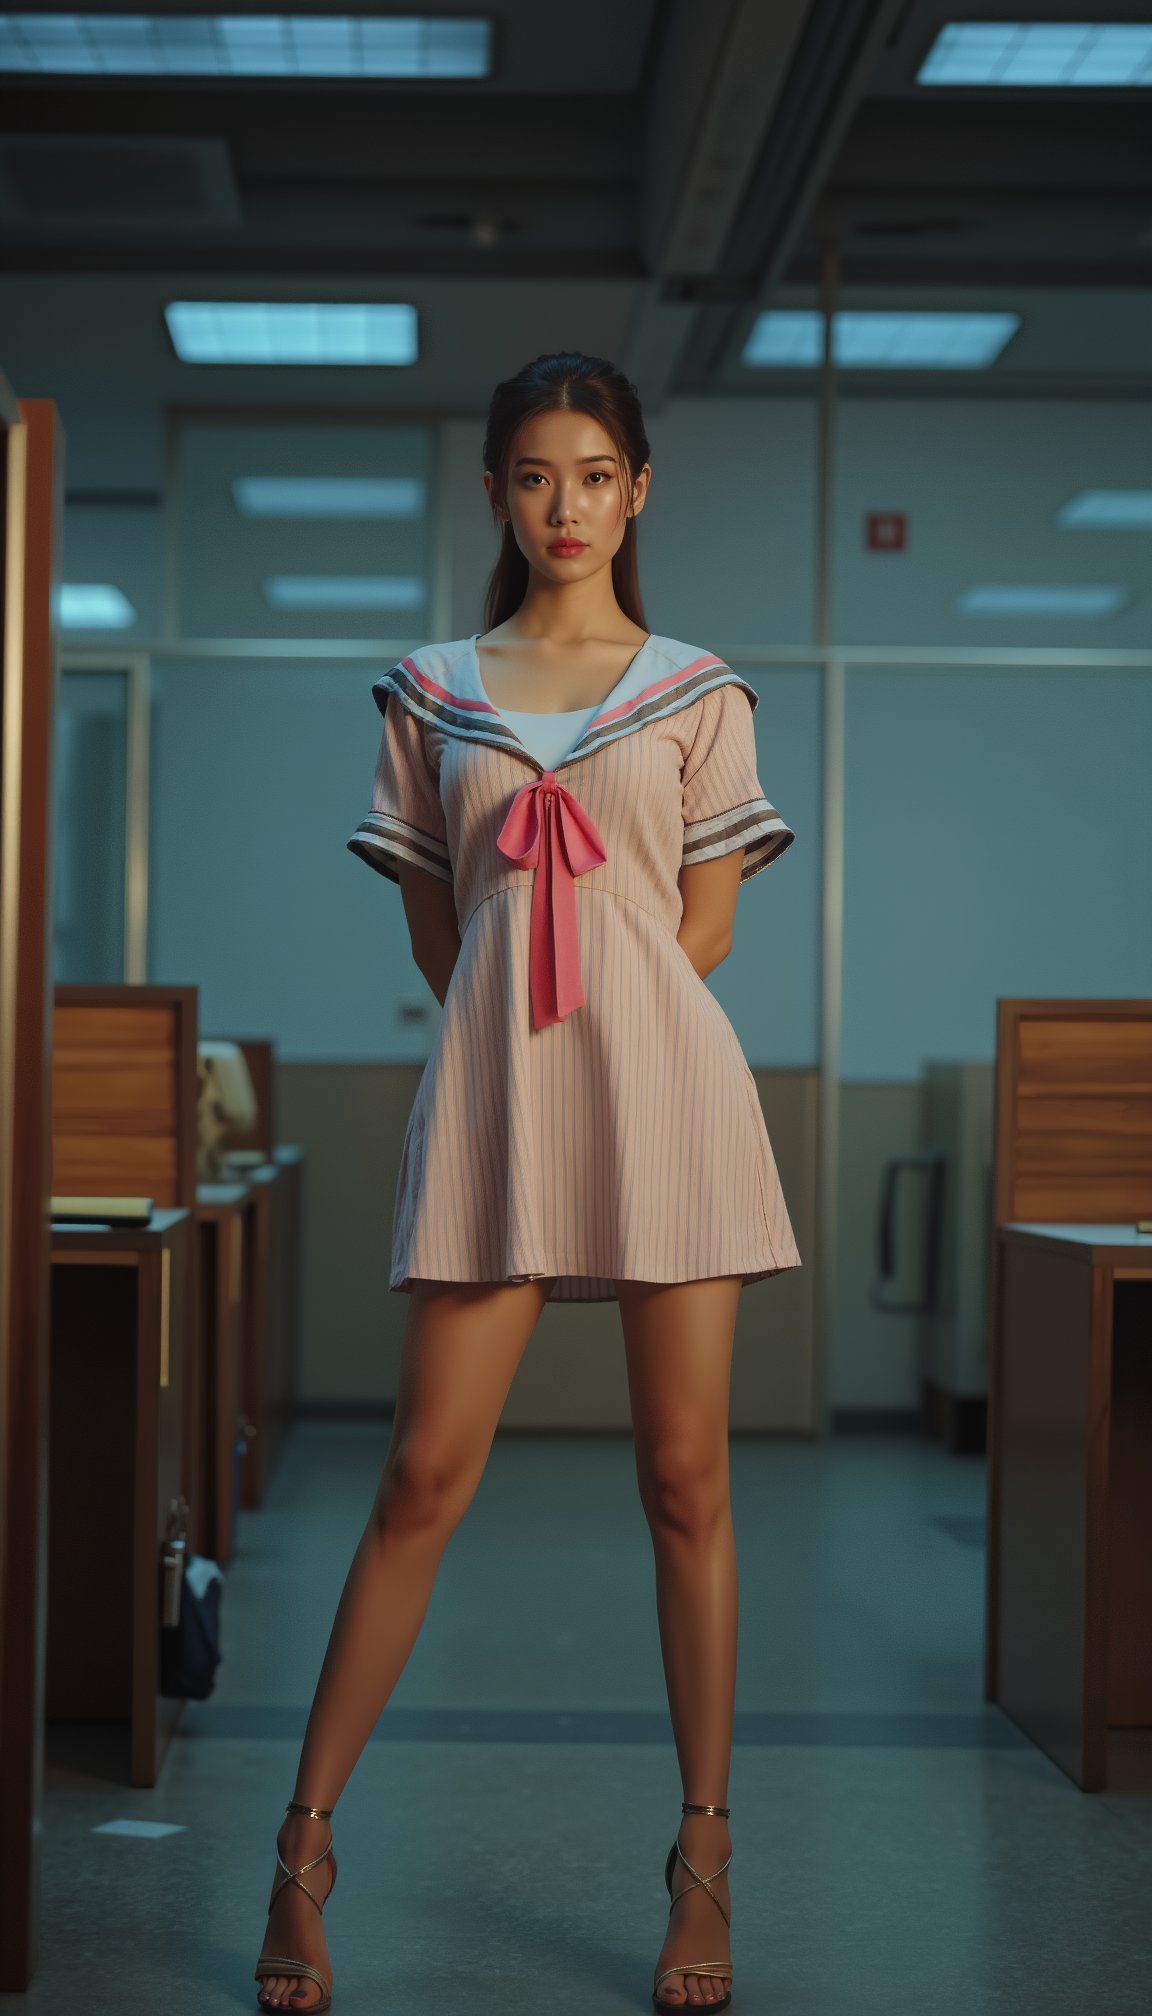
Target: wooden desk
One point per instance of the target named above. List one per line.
(116, 1434)
(220, 1213)
(1070, 1528)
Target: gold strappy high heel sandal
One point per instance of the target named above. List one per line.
(278, 1963)
(720, 1969)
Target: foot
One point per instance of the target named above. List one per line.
(294, 1924)
(696, 1931)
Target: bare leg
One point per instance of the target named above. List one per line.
(461, 1349)
(678, 1339)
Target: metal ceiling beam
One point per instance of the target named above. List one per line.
(833, 67)
(717, 78)
(829, 75)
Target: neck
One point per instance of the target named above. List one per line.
(570, 612)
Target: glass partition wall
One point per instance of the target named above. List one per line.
(100, 787)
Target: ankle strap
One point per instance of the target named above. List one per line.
(314, 1812)
(721, 1811)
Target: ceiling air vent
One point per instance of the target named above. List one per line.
(59, 183)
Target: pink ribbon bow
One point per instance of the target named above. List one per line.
(548, 829)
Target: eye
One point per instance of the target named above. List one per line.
(603, 474)
(531, 474)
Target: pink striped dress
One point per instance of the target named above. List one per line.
(586, 1110)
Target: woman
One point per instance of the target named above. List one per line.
(569, 805)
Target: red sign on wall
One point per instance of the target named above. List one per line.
(886, 531)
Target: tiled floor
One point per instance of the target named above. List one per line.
(900, 1849)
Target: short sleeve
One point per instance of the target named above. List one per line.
(406, 819)
(724, 803)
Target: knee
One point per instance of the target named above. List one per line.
(421, 1493)
(684, 1487)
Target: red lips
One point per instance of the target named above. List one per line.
(567, 548)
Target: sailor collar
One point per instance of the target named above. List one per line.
(441, 685)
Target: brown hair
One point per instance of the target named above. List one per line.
(587, 385)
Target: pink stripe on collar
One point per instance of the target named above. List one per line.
(442, 692)
(659, 686)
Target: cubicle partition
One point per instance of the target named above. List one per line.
(126, 1376)
(31, 512)
(1069, 1575)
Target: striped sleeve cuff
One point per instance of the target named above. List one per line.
(382, 841)
(756, 826)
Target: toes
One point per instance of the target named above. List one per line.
(288, 1991)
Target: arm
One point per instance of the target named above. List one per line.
(731, 831)
(708, 891)
(430, 908)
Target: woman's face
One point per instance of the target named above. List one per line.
(568, 499)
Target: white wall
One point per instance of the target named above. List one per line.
(982, 481)
(727, 539)
(999, 829)
(260, 773)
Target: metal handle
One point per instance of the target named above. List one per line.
(173, 1556)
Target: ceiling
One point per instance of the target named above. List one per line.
(645, 175)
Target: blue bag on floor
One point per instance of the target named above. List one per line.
(190, 1648)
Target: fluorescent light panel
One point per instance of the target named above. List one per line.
(873, 339)
(292, 332)
(1117, 510)
(94, 605)
(999, 600)
(1061, 55)
(345, 591)
(246, 45)
(329, 496)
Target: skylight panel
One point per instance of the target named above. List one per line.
(1061, 601)
(94, 605)
(292, 332)
(1058, 55)
(1113, 510)
(880, 339)
(345, 591)
(330, 496)
(246, 45)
